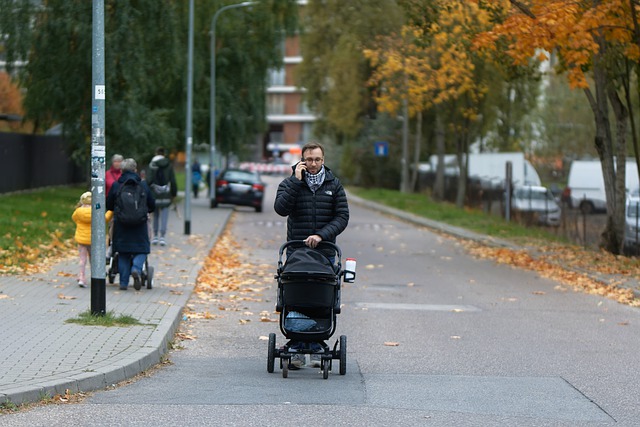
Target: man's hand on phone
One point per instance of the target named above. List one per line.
(300, 170)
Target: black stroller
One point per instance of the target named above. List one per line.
(308, 301)
(112, 269)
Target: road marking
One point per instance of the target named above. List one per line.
(421, 307)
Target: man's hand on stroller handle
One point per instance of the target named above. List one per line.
(313, 240)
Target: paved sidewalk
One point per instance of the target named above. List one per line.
(42, 356)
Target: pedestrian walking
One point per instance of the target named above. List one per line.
(82, 218)
(131, 201)
(114, 172)
(315, 204)
(162, 181)
(196, 178)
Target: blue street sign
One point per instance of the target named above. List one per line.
(381, 148)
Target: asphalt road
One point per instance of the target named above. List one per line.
(435, 337)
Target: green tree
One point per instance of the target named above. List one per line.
(566, 121)
(334, 70)
(145, 69)
(141, 65)
(597, 39)
(248, 45)
(15, 18)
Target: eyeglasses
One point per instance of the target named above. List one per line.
(310, 160)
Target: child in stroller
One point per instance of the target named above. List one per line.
(308, 301)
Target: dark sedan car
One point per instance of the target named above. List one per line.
(240, 187)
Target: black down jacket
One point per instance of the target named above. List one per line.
(325, 212)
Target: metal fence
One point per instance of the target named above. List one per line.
(580, 228)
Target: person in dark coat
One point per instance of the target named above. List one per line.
(130, 242)
(315, 204)
(164, 193)
(313, 200)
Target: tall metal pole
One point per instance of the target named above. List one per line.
(189, 129)
(212, 102)
(98, 151)
(404, 185)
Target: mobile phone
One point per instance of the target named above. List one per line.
(303, 171)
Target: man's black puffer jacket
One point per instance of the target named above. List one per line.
(325, 212)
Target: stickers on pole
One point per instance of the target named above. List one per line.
(100, 92)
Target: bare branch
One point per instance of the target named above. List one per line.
(524, 9)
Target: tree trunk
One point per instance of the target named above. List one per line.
(603, 144)
(463, 156)
(630, 112)
(618, 216)
(636, 67)
(438, 188)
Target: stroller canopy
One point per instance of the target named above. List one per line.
(308, 261)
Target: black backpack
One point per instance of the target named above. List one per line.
(161, 188)
(131, 203)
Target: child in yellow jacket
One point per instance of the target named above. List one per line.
(82, 217)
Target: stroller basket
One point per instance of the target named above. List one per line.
(308, 293)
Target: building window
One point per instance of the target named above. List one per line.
(307, 132)
(277, 77)
(303, 108)
(275, 103)
(276, 137)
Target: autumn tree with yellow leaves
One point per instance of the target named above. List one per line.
(432, 67)
(597, 44)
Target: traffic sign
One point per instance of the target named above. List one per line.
(381, 148)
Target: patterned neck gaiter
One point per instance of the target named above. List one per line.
(315, 181)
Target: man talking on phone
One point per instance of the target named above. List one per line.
(315, 204)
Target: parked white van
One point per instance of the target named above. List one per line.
(632, 224)
(538, 203)
(586, 184)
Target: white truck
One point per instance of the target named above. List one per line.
(586, 184)
(490, 168)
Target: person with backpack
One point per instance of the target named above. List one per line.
(131, 201)
(162, 181)
(196, 177)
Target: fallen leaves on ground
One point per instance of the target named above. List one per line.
(24, 259)
(226, 284)
(569, 266)
(184, 336)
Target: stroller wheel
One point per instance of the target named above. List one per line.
(271, 358)
(149, 277)
(325, 369)
(112, 277)
(285, 367)
(343, 354)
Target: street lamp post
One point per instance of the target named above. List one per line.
(189, 125)
(212, 113)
